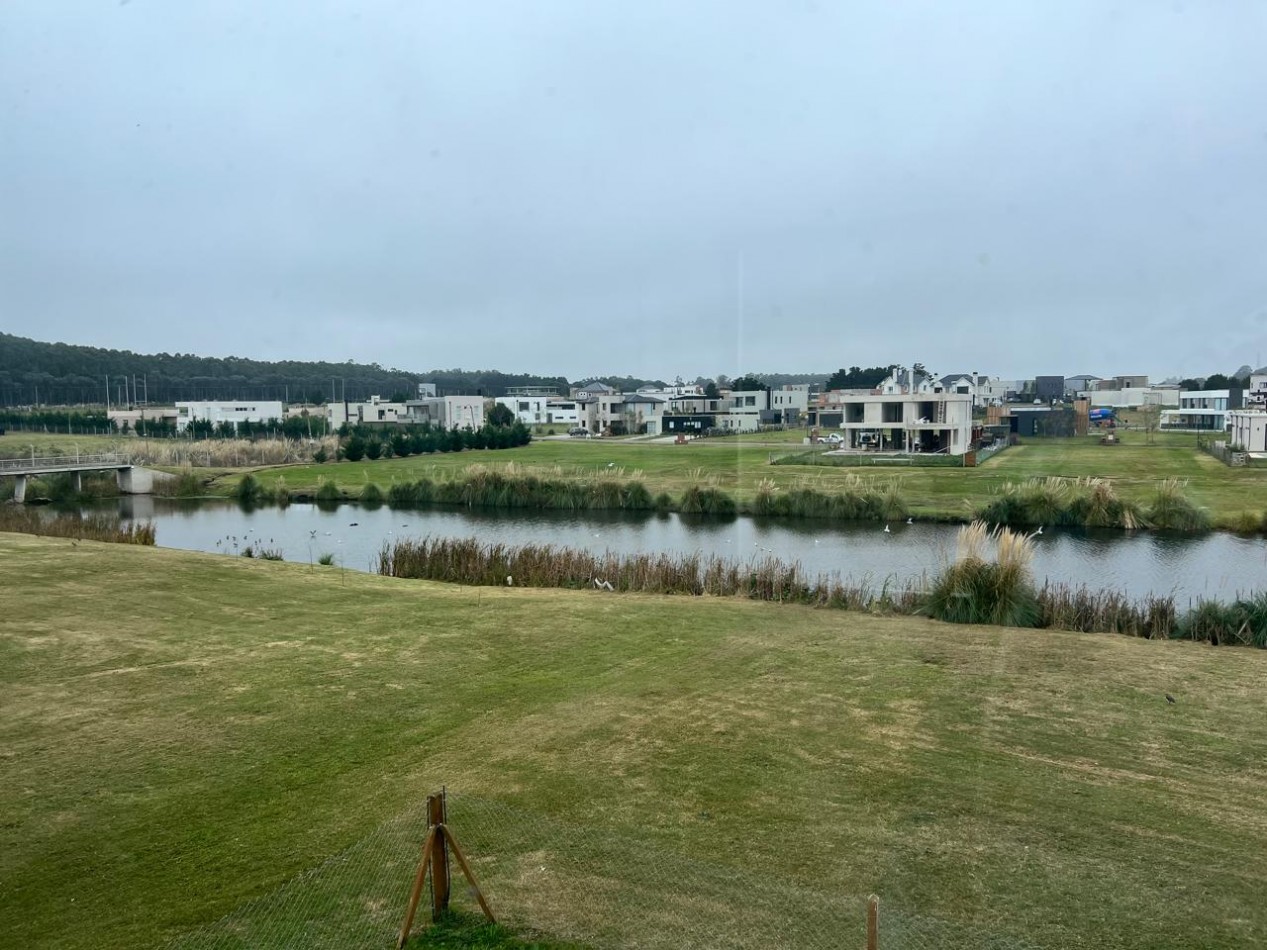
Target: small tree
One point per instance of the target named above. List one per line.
(501, 416)
(354, 449)
(1150, 418)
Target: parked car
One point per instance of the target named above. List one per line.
(579, 432)
(835, 438)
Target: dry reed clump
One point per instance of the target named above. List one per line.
(468, 561)
(857, 499)
(1083, 502)
(975, 589)
(228, 453)
(92, 527)
(1240, 623)
(1171, 509)
(1106, 611)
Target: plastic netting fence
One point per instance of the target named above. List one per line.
(604, 888)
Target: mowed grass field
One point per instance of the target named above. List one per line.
(182, 733)
(1134, 467)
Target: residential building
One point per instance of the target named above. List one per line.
(446, 412)
(563, 411)
(593, 388)
(128, 418)
(531, 404)
(233, 413)
(901, 416)
(1203, 410)
(1131, 397)
(1256, 394)
(790, 403)
(1248, 430)
(374, 412)
(1049, 388)
(1078, 384)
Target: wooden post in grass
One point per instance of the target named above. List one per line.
(873, 923)
(439, 856)
(435, 859)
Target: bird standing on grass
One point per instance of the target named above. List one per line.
(1170, 699)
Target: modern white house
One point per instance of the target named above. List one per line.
(233, 413)
(1131, 397)
(128, 418)
(791, 403)
(1248, 430)
(1256, 394)
(377, 410)
(446, 412)
(531, 404)
(1204, 410)
(901, 416)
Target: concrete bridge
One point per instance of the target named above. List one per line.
(132, 479)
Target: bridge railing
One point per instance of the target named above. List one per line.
(32, 463)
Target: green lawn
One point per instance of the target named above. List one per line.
(184, 733)
(739, 466)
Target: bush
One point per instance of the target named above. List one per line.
(320, 455)
(371, 495)
(373, 450)
(248, 489)
(326, 559)
(976, 590)
(327, 492)
(1171, 508)
(354, 449)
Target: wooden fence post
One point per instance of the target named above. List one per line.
(439, 856)
(873, 923)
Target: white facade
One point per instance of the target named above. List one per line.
(900, 418)
(446, 412)
(231, 412)
(1131, 398)
(530, 410)
(1204, 409)
(1256, 394)
(1248, 429)
(790, 402)
(358, 413)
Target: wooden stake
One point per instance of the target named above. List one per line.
(873, 923)
(416, 895)
(439, 857)
(466, 869)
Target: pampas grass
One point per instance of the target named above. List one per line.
(974, 589)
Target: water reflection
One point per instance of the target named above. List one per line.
(1145, 562)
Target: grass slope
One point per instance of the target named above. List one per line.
(738, 467)
(183, 733)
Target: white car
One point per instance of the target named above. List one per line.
(835, 438)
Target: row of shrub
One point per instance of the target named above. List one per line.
(486, 488)
(426, 439)
(92, 527)
(1091, 503)
(989, 582)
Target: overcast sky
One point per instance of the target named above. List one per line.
(649, 188)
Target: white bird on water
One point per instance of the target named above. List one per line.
(1040, 530)
(910, 520)
(886, 530)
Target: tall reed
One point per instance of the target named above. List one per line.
(468, 561)
(92, 527)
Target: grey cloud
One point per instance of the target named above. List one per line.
(570, 187)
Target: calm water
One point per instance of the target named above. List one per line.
(1212, 565)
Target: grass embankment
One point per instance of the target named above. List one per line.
(227, 723)
(1133, 468)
